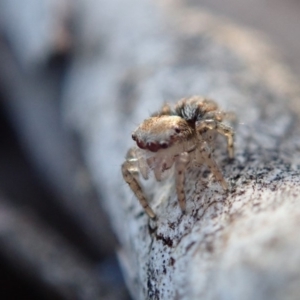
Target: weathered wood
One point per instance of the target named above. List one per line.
(237, 245)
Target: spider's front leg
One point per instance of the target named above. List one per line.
(205, 153)
(130, 171)
(181, 162)
(214, 124)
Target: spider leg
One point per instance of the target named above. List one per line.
(212, 124)
(155, 164)
(129, 172)
(209, 105)
(160, 165)
(205, 153)
(135, 156)
(166, 110)
(181, 163)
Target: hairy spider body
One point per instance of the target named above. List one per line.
(180, 136)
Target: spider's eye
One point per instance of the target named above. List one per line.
(164, 145)
(133, 137)
(141, 144)
(153, 147)
(177, 130)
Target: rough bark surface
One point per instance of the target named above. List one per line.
(242, 244)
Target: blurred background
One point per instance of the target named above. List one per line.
(55, 240)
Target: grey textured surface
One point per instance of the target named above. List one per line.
(236, 245)
(278, 19)
(128, 57)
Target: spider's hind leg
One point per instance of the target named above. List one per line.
(181, 163)
(204, 154)
(213, 124)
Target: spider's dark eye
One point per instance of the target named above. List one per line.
(164, 145)
(133, 137)
(141, 144)
(177, 130)
(154, 147)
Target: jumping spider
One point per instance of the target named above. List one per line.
(180, 135)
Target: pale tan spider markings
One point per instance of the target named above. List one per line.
(178, 136)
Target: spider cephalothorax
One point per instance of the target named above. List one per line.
(180, 135)
(162, 132)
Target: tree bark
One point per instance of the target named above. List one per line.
(241, 244)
